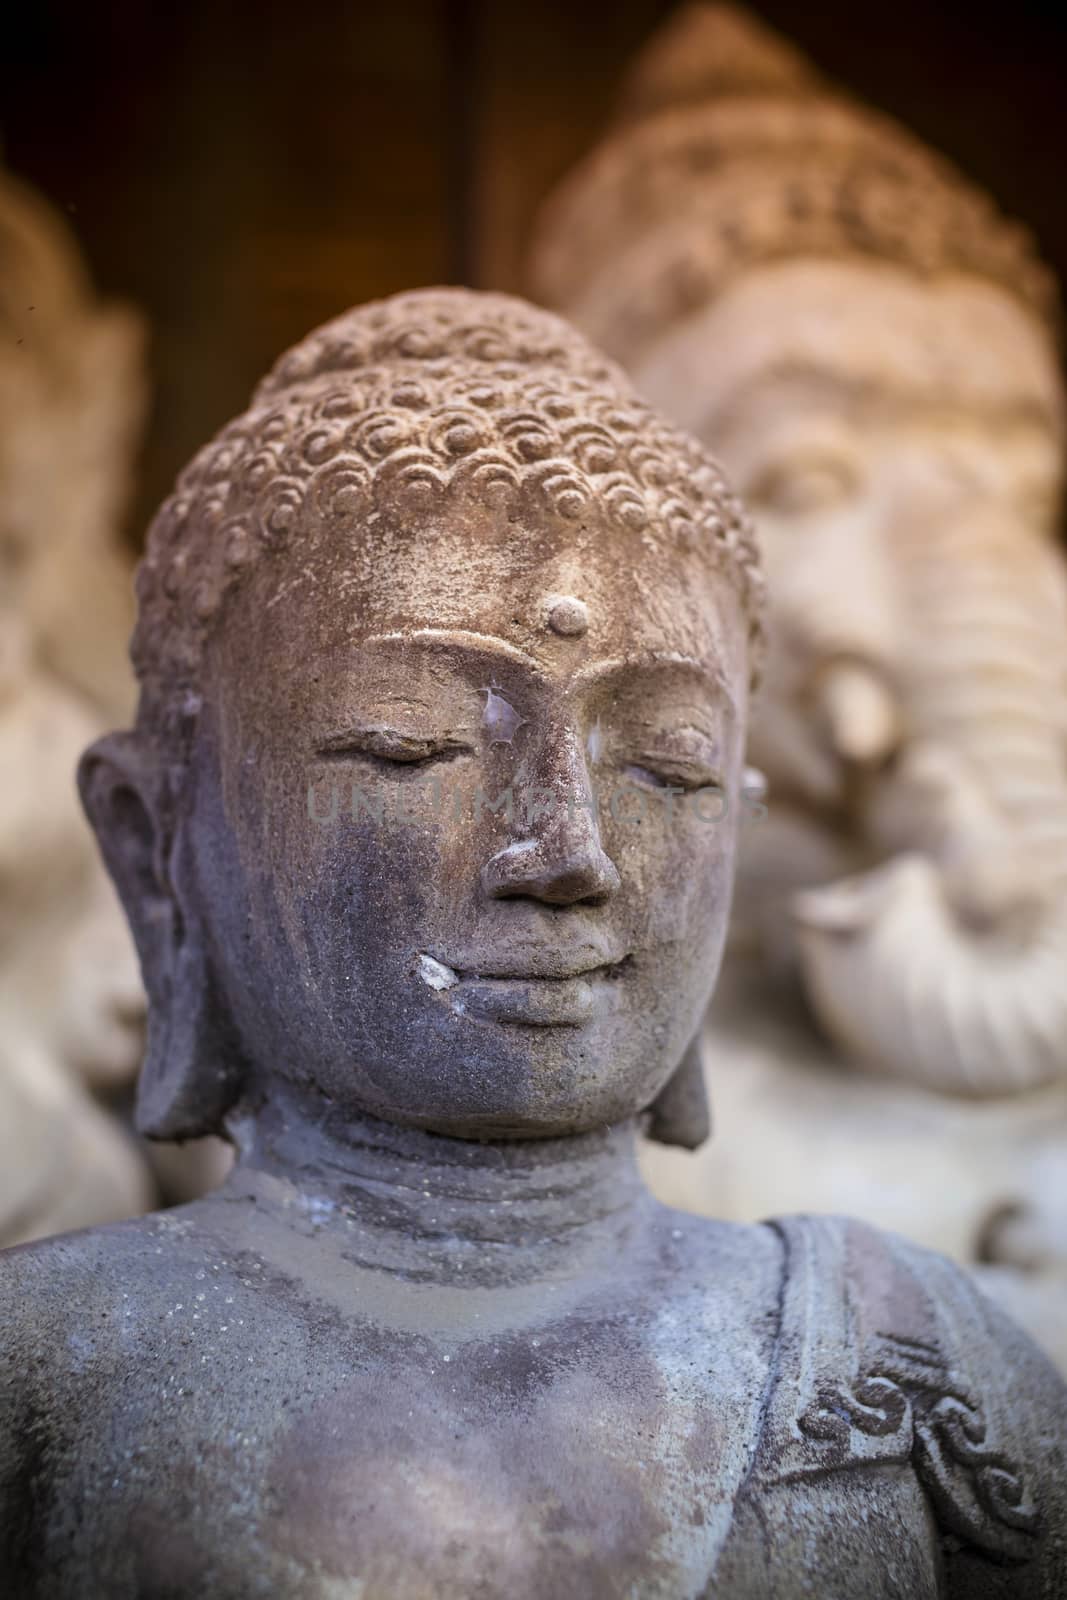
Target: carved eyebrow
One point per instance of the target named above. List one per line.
(709, 675)
(667, 663)
(480, 643)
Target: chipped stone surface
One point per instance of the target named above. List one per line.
(435, 973)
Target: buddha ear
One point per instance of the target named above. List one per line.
(120, 790)
(680, 1114)
(185, 1085)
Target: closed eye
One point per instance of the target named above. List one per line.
(661, 774)
(389, 744)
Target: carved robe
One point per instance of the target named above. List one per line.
(893, 1368)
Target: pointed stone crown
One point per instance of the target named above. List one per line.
(729, 151)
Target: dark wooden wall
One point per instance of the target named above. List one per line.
(244, 171)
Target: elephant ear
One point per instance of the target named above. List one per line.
(680, 1114)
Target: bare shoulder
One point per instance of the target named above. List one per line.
(53, 1323)
(80, 1314)
(55, 1283)
(58, 1299)
(67, 1301)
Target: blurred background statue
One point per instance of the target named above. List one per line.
(872, 351)
(72, 1010)
(73, 393)
(71, 1005)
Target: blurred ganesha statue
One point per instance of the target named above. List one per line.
(71, 1004)
(871, 348)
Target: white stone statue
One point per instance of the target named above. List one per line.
(71, 1003)
(869, 347)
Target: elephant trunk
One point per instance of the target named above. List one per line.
(948, 964)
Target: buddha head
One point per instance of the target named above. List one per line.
(444, 651)
(870, 348)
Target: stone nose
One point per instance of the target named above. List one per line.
(553, 868)
(559, 856)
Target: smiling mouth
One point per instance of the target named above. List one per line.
(563, 997)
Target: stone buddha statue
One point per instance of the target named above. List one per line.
(426, 833)
(871, 350)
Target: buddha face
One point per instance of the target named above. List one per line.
(464, 815)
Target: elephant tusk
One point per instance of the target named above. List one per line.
(849, 906)
(861, 713)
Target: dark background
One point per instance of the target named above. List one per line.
(242, 172)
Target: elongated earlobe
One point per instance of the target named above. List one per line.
(190, 1077)
(680, 1114)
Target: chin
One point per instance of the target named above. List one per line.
(532, 1089)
